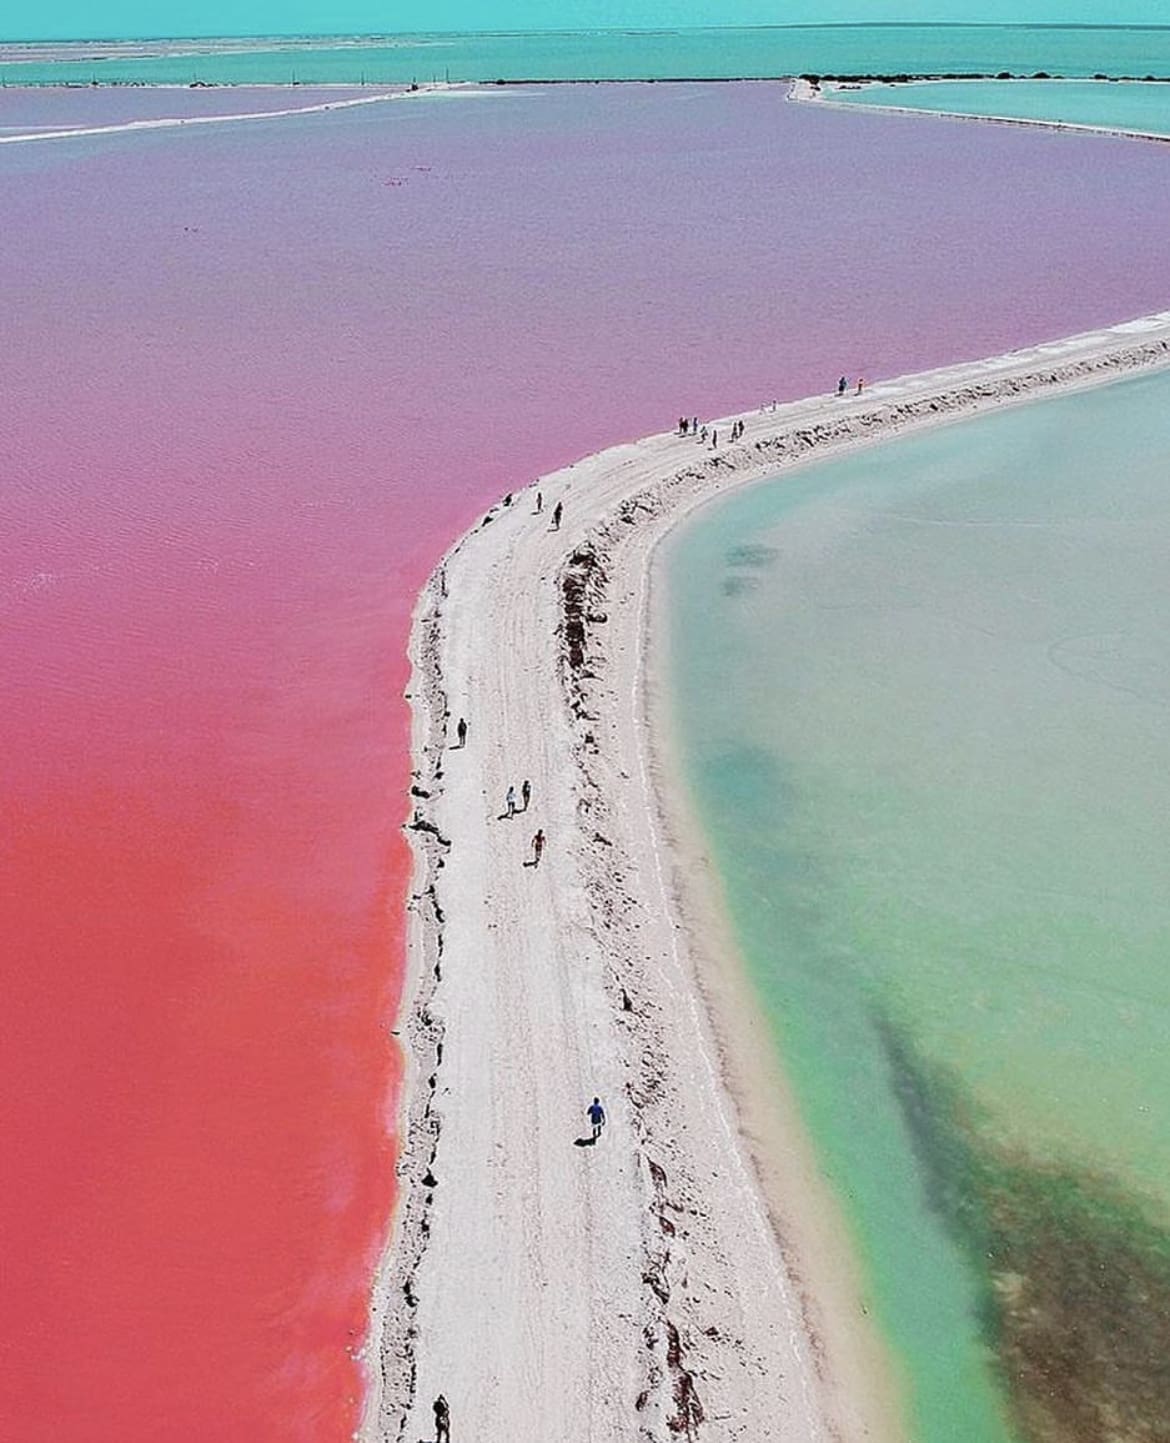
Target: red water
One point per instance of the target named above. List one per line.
(254, 379)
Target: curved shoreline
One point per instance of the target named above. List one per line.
(666, 1278)
(803, 92)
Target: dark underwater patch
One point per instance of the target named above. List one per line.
(752, 554)
(739, 585)
(1076, 1272)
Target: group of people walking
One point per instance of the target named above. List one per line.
(512, 810)
(510, 807)
(557, 512)
(514, 804)
(700, 433)
(689, 426)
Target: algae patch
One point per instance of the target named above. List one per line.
(1075, 1271)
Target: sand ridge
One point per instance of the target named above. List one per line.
(648, 1286)
(183, 122)
(804, 92)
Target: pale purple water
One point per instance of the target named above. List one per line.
(255, 378)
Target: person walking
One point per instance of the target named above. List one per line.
(461, 733)
(596, 1115)
(510, 802)
(558, 511)
(539, 502)
(842, 385)
(442, 1420)
(538, 847)
(525, 793)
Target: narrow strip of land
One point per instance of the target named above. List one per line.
(648, 1285)
(177, 122)
(830, 93)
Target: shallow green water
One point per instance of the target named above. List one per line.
(1131, 105)
(921, 697)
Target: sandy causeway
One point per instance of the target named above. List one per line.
(677, 1280)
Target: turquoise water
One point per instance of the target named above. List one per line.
(1132, 106)
(611, 55)
(921, 697)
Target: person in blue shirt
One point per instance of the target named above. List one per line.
(596, 1116)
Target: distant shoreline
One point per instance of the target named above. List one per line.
(823, 91)
(816, 82)
(378, 95)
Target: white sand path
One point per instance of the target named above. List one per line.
(649, 1287)
(183, 122)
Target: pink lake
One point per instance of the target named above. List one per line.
(256, 377)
